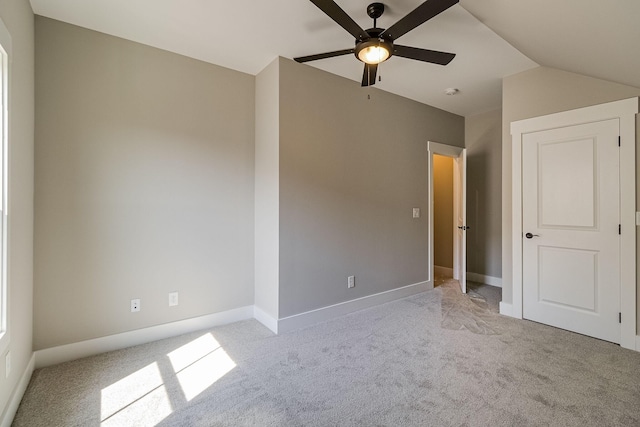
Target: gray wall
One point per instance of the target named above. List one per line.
(534, 93)
(483, 140)
(351, 170)
(18, 19)
(144, 185)
(443, 211)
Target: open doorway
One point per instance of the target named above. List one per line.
(443, 220)
(457, 226)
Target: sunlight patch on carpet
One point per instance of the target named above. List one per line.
(139, 398)
(199, 364)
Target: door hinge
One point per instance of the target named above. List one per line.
(619, 142)
(619, 317)
(619, 228)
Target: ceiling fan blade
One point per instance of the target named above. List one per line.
(425, 55)
(341, 18)
(418, 16)
(369, 75)
(324, 55)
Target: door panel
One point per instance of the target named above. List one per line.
(570, 190)
(568, 277)
(566, 199)
(460, 232)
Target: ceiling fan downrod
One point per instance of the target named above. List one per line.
(375, 11)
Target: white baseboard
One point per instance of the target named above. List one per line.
(16, 397)
(302, 320)
(443, 271)
(65, 353)
(637, 342)
(487, 280)
(268, 321)
(506, 309)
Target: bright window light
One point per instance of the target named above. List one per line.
(5, 51)
(192, 352)
(204, 373)
(199, 364)
(149, 411)
(138, 398)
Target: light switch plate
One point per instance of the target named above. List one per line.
(173, 299)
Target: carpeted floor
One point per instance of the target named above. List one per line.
(439, 358)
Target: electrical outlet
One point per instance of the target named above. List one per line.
(351, 281)
(7, 365)
(135, 305)
(173, 299)
(416, 212)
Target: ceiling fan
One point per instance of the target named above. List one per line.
(376, 45)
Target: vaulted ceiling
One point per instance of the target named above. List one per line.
(492, 39)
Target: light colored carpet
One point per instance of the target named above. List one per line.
(439, 358)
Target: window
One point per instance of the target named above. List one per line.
(5, 49)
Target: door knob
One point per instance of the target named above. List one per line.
(530, 236)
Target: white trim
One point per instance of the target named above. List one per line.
(443, 271)
(506, 309)
(637, 342)
(18, 393)
(487, 280)
(65, 353)
(302, 320)
(624, 110)
(6, 50)
(268, 321)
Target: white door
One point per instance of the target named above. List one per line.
(460, 212)
(570, 227)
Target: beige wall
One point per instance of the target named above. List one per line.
(18, 18)
(534, 93)
(144, 185)
(351, 170)
(483, 140)
(443, 211)
(267, 189)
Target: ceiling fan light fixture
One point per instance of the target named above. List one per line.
(373, 51)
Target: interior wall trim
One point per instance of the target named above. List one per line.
(21, 388)
(268, 321)
(68, 352)
(302, 320)
(506, 309)
(487, 280)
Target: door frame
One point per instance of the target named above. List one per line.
(459, 195)
(624, 110)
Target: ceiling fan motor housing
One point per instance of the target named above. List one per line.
(375, 10)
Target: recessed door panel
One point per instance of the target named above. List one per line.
(567, 199)
(568, 277)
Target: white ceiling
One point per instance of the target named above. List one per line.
(246, 35)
